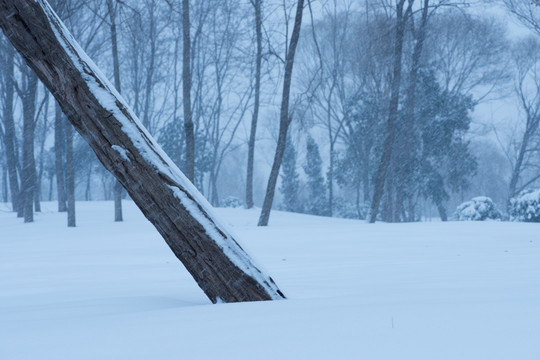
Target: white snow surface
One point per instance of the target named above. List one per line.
(121, 151)
(106, 290)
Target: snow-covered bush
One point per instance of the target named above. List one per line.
(478, 209)
(526, 207)
(232, 202)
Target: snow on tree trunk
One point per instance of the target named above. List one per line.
(182, 216)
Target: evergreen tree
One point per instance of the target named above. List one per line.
(317, 203)
(289, 179)
(446, 162)
(171, 138)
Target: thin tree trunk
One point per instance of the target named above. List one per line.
(9, 129)
(442, 212)
(284, 118)
(406, 163)
(116, 64)
(37, 191)
(59, 158)
(219, 265)
(398, 204)
(411, 210)
(70, 177)
(51, 181)
(87, 191)
(213, 187)
(256, 105)
(516, 171)
(39, 174)
(331, 181)
(357, 202)
(29, 164)
(5, 192)
(150, 70)
(386, 157)
(186, 87)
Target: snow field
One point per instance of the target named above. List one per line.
(105, 290)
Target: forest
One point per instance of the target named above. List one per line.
(376, 110)
(261, 140)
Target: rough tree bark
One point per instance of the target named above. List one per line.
(182, 216)
(284, 118)
(186, 88)
(251, 146)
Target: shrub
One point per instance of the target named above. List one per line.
(526, 207)
(349, 210)
(232, 202)
(478, 209)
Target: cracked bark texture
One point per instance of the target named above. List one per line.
(218, 264)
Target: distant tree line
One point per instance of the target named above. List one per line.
(352, 109)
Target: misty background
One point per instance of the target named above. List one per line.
(467, 113)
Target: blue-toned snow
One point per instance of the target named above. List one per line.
(433, 291)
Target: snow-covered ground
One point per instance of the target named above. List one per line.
(108, 290)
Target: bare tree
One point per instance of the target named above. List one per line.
(70, 177)
(28, 93)
(186, 86)
(116, 69)
(527, 12)
(59, 158)
(473, 61)
(408, 143)
(328, 101)
(229, 102)
(42, 130)
(7, 76)
(527, 88)
(285, 117)
(257, 4)
(402, 15)
(4, 178)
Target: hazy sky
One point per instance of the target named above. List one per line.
(503, 112)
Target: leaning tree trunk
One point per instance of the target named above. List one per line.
(183, 217)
